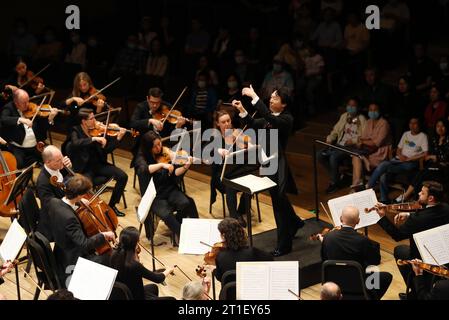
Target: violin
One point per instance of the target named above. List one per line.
(210, 257)
(164, 114)
(42, 111)
(237, 138)
(32, 80)
(325, 231)
(400, 207)
(433, 269)
(112, 131)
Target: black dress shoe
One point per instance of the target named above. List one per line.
(279, 252)
(118, 213)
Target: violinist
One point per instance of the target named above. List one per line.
(70, 239)
(54, 164)
(21, 133)
(437, 291)
(131, 272)
(223, 123)
(89, 156)
(23, 78)
(235, 248)
(347, 244)
(144, 117)
(169, 196)
(83, 88)
(434, 214)
(276, 117)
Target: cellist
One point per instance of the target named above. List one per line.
(70, 239)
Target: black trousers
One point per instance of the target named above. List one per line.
(164, 207)
(25, 156)
(287, 222)
(385, 279)
(101, 173)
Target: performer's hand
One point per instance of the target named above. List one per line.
(156, 124)
(67, 162)
(100, 140)
(121, 134)
(109, 235)
(26, 122)
(415, 263)
(3, 141)
(100, 104)
(249, 92)
(169, 271)
(401, 217)
(223, 152)
(79, 101)
(181, 122)
(53, 114)
(168, 167)
(381, 211)
(238, 105)
(11, 87)
(7, 267)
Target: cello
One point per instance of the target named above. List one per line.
(8, 164)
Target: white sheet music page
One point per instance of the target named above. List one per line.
(146, 202)
(436, 241)
(361, 200)
(13, 242)
(269, 280)
(195, 231)
(254, 183)
(92, 281)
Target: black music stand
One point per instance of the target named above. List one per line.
(18, 188)
(233, 171)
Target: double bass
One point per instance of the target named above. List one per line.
(8, 164)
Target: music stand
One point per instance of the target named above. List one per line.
(231, 172)
(18, 188)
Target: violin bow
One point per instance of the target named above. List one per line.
(35, 76)
(38, 109)
(100, 91)
(327, 213)
(108, 119)
(34, 282)
(103, 113)
(174, 105)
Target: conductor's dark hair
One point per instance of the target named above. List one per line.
(284, 95)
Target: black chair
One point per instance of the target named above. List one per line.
(45, 243)
(228, 276)
(120, 291)
(46, 275)
(222, 199)
(100, 181)
(229, 291)
(349, 276)
(29, 211)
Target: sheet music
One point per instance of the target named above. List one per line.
(146, 202)
(13, 242)
(436, 241)
(195, 231)
(267, 280)
(254, 183)
(360, 200)
(92, 281)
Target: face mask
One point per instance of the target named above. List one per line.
(443, 65)
(202, 84)
(232, 84)
(373, 115)
(351, 109)
(277, 67)
(239, 59)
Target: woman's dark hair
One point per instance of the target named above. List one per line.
(62, 294)
(147, 143)
(124, 255)
(233, 233)
(445, 124)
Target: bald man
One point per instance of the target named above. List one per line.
(348, 244)
(330, 291)
(54, 164)
(22, 134)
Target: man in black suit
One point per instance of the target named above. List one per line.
(278, 118)
(437, 291)
(348, 244)
(21, 133)
(54, 164)
(71, 241)
(143, 120)
(89, 156)
(434, 214)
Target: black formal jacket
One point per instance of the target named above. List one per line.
(70, 239)
(139, 122)
(284, 124)
(419, 221)
(348, 244)
(14, 132)
(438, 291)
(227, 259)
(45, 192)
(83, 151)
